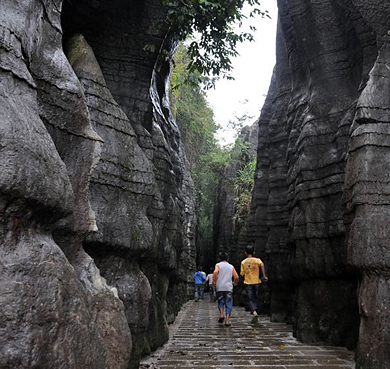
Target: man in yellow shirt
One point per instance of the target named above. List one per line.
(250, 269)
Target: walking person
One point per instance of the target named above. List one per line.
(199, 279)
(223, 276)
(250, 269)
(209, 281)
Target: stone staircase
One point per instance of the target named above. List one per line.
(198, 341)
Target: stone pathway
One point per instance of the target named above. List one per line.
(198, 341)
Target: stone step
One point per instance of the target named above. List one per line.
(198, 341)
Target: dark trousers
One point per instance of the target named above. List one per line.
(252, 291)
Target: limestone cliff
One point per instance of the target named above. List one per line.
(97, 218)
(322, 186)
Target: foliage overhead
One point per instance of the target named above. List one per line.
(212, 22)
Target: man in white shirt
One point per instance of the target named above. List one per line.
(223, 276)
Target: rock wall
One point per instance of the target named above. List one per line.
(97, 219)
(322, 187)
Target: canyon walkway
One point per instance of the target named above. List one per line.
(198, 341)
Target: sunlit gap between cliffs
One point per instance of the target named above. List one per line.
(244, 96)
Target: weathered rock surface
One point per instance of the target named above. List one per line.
(322, 187)
(97, 221)
(90, 159)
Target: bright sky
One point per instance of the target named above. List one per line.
(252, 73)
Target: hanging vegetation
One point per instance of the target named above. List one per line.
(212, 21)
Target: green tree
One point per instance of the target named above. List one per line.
(216, 40)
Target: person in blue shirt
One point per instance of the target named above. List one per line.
(200, 279)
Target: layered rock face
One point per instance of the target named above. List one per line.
(322, 187)
(97, 220)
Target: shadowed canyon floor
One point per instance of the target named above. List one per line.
(197, 340)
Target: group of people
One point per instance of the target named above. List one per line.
(201, 282)
(224, 277)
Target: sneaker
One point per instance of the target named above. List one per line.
(196, 298)
(227, 324)
(255, 319)
(221, 319)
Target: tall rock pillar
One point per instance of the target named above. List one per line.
(368, 211)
